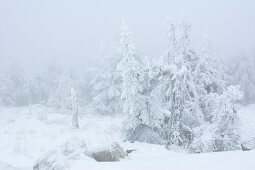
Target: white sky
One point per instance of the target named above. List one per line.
(34, 33)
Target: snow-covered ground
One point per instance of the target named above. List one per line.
(25, 136)
(247, 116)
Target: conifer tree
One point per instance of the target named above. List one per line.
(132, 75)
(107, 87)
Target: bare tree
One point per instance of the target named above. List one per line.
(74, 100)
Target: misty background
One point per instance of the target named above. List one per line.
(34, 34)
(75, 92)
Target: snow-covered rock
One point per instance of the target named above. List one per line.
(114, 153)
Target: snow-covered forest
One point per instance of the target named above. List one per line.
(170, 111)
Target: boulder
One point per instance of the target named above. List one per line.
(114, 153)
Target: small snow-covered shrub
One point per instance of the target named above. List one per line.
(51, 161)
(73, 149)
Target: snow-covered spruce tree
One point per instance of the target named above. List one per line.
(207, 81)
(172, 97)
(74, 101)
(180, 95)
(185, 90)
(241, 71)
(107, 87)
(132, 75)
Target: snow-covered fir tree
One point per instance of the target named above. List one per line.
(180, 96)
(184, 90)
(107, 87)
(132, 75)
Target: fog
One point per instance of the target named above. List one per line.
(34, 34)
(146, 84)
